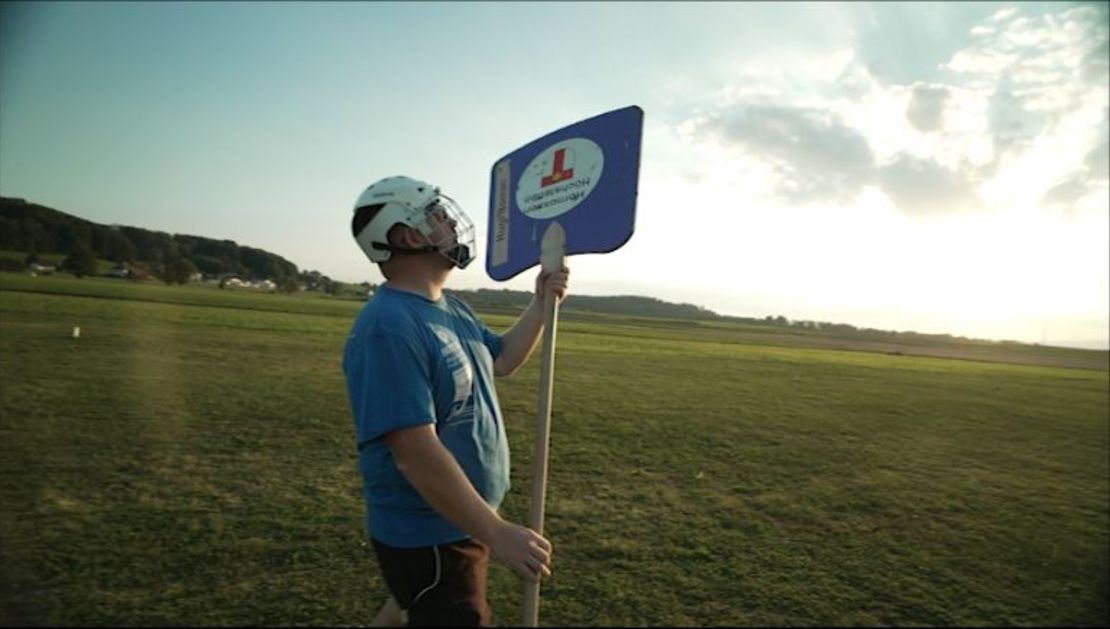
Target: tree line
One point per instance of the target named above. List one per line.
(485, 298)
(173, 258)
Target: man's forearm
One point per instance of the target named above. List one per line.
(433, 471)
(517, 343)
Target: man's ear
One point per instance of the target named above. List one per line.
(413, 238)
(407, 237)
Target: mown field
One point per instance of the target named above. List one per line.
(189, 460)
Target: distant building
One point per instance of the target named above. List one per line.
(234, 281)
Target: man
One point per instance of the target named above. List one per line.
(431, 439)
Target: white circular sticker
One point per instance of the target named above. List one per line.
(559, 178)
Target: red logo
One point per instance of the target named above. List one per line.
(557, 172)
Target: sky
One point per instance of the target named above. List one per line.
(935, 167)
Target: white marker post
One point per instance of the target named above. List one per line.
(552, 259)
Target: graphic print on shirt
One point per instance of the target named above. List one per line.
(462, 405)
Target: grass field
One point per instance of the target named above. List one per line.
(189, 460)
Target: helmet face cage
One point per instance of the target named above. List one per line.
(448, 229)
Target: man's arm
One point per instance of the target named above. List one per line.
(433, 471)
(517, 343)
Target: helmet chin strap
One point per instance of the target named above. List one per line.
(454, 254)
(396, 249)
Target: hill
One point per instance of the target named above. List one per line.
(175, 258)
(494, 300)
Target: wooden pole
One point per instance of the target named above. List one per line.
(552, 258)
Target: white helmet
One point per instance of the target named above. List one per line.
(421, 206)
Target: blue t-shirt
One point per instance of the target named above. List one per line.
(411, 361)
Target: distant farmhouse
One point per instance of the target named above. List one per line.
(234, 281)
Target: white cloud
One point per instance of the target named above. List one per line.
(1003, 14)
(815, 156)
(983, 61)
(1037, 69)
(921, 186)
(1082, 183)
(1013, 116)
(929, 188)
(1097, 162)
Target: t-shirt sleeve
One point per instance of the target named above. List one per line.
(491, 339)
(392, 387)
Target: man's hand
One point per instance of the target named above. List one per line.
(525, 551)
(554, 281)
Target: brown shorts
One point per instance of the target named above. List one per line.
(440, 586)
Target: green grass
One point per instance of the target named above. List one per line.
(189, 460)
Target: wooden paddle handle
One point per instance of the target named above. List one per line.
(552, 259)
